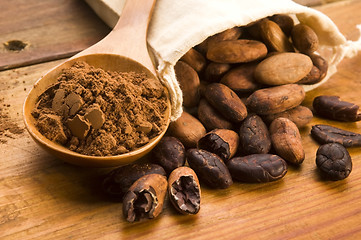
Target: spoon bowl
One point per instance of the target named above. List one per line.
(123, 50)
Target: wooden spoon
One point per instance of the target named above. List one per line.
(123, 50)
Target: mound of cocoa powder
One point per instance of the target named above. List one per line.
(100, 113)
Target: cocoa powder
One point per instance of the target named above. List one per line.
(100, 113)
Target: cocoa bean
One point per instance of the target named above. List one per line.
(304, 38)
(194, 59)
(284, 21)
(275, 99)
(210, 168)
(257, 168)
(211, 118)
(187, 129)
(226, 102)
(236, 51)
(283, 68)
(318, 71)
(189, 83)
(286, 140)
(274, 38)
(331, 107)
(334, 161)
(215, 71)
(169, 153)
(329, 134)
(300, 115)
(184, 190)
(254, 136)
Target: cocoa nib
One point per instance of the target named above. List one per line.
(329, 134)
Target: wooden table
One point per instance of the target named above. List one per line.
(44, 198)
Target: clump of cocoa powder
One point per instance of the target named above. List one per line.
(96, 112)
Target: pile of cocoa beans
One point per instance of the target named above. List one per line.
(242, 98)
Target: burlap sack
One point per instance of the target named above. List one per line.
(177, 26)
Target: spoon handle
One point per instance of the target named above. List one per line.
(129, 36)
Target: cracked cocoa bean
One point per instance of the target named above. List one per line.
(334, 161)
(286, 140)
(169, 153)
(145, 198)
(226, 102)
(329, 134)
(184, 190)
(254, 136)
(223, 142)
(117, 182)
(210, 168)
(331, 107)
(257, 168)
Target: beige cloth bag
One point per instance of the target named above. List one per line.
(177, 26)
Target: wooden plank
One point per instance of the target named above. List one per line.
(43, 198)
(52, 29)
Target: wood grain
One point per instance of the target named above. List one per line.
(37, 24)
(44, 198)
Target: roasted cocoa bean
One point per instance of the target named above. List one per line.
(300, 115)
(329, 134)
(236, 51)
(187, 129)
(145, 198)
(334, 161)
(283, 68)
(194, 59)
(284, 21)
(184, 190)
(215, 71)
(286, 140)
(210, 168)
(189, 83)
(223, 142)
(226, 102)
(211, 118)
(117, 182)
(331, 107)
(304, 38)
(273, 36)
(229, 34)
(275, 99)
(240, 79)
(257, 168)
(169, 153)
(254, 136)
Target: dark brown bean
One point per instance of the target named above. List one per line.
(318, 71)
(184, 190)
(257, 168)
(331, 107)
(226, 102)
(145, 198)
(211, 118)
(223, 142)
(329, 134)
(334, 161)
(117, 182)
(254, 136)
(169, 153)
(304, 38)
(210, 168)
